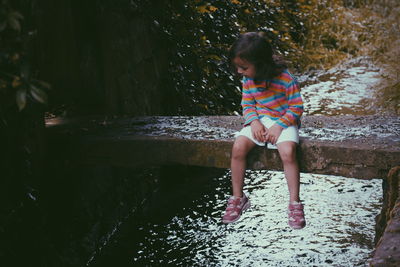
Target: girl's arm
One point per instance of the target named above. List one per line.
(292, 115)
(295, 106)
(248, 104)
(250, 114)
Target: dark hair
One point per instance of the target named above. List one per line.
(256, 49)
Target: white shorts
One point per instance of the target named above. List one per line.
(291, 133)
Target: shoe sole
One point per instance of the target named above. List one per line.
(245, 207)
(297, 227)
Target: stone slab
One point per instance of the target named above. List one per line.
(352, 146)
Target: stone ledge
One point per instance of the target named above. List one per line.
(352, 146)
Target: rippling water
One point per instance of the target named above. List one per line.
(340, 216)
(349, 88)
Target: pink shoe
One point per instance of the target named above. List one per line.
(235, 208)
(296, 215)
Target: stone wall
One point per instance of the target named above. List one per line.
(102, 57)
(387, 252)
(84, 206)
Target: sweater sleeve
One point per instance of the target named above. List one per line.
(248, 104)
(295, 106)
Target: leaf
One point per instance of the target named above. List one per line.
(21, 98)
(14, 24)
(38, 94)
(14, 20)
(17, 15)
(16, 82)
(206, 8)
(15, 57)
(44, 84)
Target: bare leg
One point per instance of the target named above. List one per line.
(241, 148)
(287, 151)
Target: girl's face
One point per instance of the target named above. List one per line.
(244, 67)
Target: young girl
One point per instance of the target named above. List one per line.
(272, 107)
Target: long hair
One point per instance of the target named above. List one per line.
(256, 49)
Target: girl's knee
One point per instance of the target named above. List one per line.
(240, 148)
(287, 151)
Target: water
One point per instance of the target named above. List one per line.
(349, 88)
(340, 215)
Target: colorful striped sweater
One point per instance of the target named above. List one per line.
(281, 101)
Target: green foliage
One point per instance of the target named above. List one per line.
(15, 74)
(310, 34)
(9, 18)
(200, 34)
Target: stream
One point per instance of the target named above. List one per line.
(340, 215)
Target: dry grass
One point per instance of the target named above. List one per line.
(337, 32)
(385, 50)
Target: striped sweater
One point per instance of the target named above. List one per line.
(281, 101)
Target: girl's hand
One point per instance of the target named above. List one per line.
(273, 133)
(258, 130)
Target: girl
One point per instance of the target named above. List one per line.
(272, 107)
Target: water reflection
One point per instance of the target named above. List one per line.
(340, 216)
